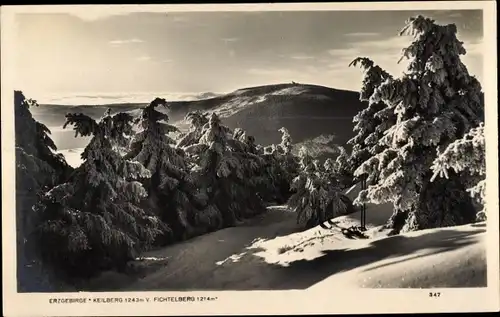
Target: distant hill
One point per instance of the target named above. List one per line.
(311, 113)
(307, 111)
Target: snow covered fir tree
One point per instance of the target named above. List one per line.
(38, 168)
(281, 167)
(93, 221)
(370, 124)
(317, 196)
(466, 156)
(162, 180)
(219, 164)
(170, 188)
(436, 102)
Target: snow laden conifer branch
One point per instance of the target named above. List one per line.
(222, 170)
(317, 197)
(94, 221)
(198, 120)
(281, 167)
(435, 102)
(226, 166)
(38, 168)
(467, 157)
(289, 160)
(370, 123)
(171, 189)
(34, 144)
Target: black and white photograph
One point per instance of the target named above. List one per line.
(160, 155)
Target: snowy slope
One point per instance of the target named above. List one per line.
(440, 258)
(270, 252)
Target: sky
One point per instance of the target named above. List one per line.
(215, 51)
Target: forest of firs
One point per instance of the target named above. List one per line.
(419, 144)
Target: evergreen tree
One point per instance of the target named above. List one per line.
(220, 171)
(38, 167)
(466, 156)
(281, 167)
(436, 102)
(170, 189)
(225, 166)
(198, 120)
(370, 123)
(341, 168)
(93, 221)
(289, 161)
(207, 216)
(317, 196)
(255, 185)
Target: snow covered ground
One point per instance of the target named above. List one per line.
(271, 253)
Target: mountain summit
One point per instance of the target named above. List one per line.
(307, 111)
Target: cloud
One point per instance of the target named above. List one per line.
(302, 57)
(306, 71)
(474, 57)
(384, 52)
(455, 15)
(342, 55)
(230, 40)
(167, 60)
(387, 47)
(474, 47)
(343, 51)
(180, 19)
(124, 42)
(387, 52)
(361, 34)
(144, 58)
(337, 66)
(270, 72)
(389, 44)
(94, 13)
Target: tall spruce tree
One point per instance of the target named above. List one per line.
(255, 185)
(207, 216)
(341, 168)
(282, 166)
(38, 165)
(220, 171)
(170, 189)
(289, 160)
(370, 123)
(38, 168)
(436, 102)
(466, 156)
(225, 168)
(93, 221)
